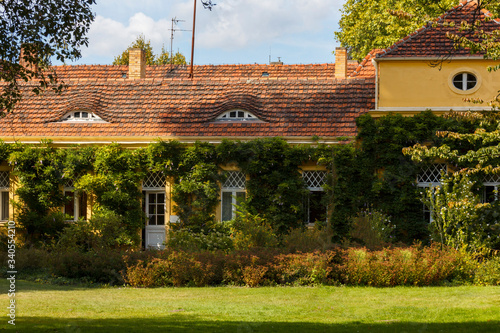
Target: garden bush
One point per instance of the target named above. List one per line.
(488, 272)
(251, 230)
(412, 266)
(105, 230)
(307, 239)
(185, 240)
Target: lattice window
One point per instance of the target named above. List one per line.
(431, 174)
(70, 183)
(314, 179)
(491, 179)
(234, 180)
(4, 179)
(154, 180)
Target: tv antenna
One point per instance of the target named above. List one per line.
(172, 31)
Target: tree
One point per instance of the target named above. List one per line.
(151, 59)
(376, 24)
(43, 29)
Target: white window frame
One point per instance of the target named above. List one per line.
(147, 204)
(81, 116)
(234, 184)
(313, 185)
(431, 181)
(237, 115)
(155, 183)
(5, 193)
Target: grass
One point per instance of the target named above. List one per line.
(49, 308)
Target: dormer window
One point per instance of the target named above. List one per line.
(239, 115)
(81, 116)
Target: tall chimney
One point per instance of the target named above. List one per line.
(30, 66)
(340, 63)
(136, 64)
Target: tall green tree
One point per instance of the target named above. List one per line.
(151, 59)
(373, 24)
(44, 29)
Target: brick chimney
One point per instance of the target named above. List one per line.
(136, 64)
(340, 63)
(26, 64)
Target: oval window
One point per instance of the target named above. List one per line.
(464, 81)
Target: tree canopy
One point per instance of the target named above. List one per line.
(44, 29)
(151, 59)
(374, 24)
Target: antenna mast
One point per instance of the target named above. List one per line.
(172, 30)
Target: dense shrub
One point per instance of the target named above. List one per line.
(488, 273)
(413, 266)
(372, 228)
(177, 269)
(251, 230)
(185, 240)
(92, 266)
(105, 230)
(307, 239)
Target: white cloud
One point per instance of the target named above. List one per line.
(109, 37)
(235, 24)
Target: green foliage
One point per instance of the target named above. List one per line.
(488, 273)
(105, 230)
(249, 231)
(275, 188)
(371, 24)
(458, 216)
(196, 192)
(307, 239)
(45, 29)
(185, 240)
(392, 175)
(372, 228)
(115, 183)
(151, 59)
(40, 171)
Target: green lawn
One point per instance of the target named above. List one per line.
(48, 308)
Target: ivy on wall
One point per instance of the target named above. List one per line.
(371, 172)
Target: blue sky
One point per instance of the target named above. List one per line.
(234, 32)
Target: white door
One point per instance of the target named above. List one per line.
(155, 222)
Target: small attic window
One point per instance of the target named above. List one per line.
(240, 115)
(265, 74)
(81, 116)
(464, 81)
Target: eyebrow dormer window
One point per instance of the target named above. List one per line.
(237, 115)
(81, 116)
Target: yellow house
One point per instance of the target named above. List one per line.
(304, 104)
(424, 71)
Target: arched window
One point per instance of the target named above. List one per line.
(81, 115)
(237, 115)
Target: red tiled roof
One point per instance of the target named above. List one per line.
(431, 40)
(293, 101)
(365, 67)
(211, 72)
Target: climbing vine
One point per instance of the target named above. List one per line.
(370, 172)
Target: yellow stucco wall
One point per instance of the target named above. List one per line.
(415, 84)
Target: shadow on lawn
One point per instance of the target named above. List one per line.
(189, 323)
